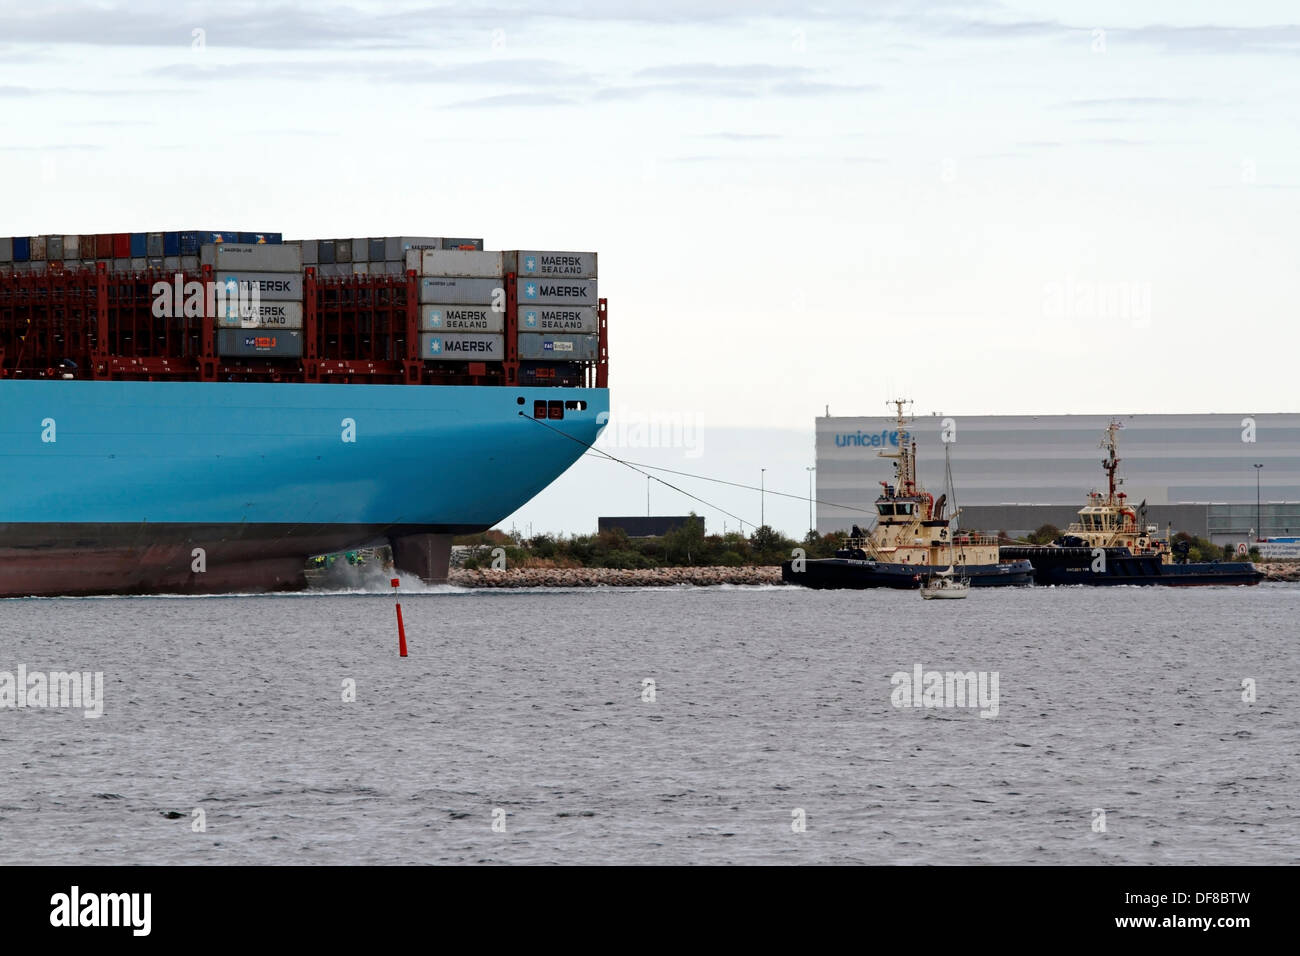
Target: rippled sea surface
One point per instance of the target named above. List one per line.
(766, 701)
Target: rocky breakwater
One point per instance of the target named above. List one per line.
(611, 577)
(1280, 572)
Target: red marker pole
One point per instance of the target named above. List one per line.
(401, 629)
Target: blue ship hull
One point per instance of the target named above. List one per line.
(114, 487)
(1063, 565)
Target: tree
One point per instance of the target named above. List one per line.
(685, 542)
(1045, 534)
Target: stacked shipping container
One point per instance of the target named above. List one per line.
(385, 255)
(121, 251)
(416, 309)
(462, 304)
(557, 312)
(262, 314)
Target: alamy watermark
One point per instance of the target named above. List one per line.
(54, 689)
(231, 298)
(630, 429)
(946, 689)
(1084, 299)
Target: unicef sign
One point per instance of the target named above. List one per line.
(866, 439)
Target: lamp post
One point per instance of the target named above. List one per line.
(762, 497)
(810, 469)
(1259, 523)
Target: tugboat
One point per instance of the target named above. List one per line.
(912, 541)
(1112, 544)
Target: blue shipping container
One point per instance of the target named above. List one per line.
(139, 245)
(189, 243)
(22, 248)
(171, 243)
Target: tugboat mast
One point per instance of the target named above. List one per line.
(905, 465)
(1111, 443)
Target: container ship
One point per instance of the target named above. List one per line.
(1112, 544)
(202, 412)
(914, 540)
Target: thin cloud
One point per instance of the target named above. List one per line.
(1216, 39)
(823, 89)
(742, 137)
(515, 100)
(1125, 101)
(719, 71)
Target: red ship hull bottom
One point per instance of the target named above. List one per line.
(71, 560)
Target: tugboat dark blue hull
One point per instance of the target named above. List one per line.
(850, 573)
(1056, 565)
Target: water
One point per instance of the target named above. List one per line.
(767, 701)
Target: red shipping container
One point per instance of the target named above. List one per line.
(121, 245)
(104, 246)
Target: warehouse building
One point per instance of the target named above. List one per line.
(1015, 473)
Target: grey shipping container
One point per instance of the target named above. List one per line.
(557, 291)
(553, 265)
(271, 286)
(558, 318)
(153, 245)
(395, 268)
(122, 265)
(461, 318)
(156, 262)
(6, 250)
(230, 256)
(309, 252)
(360, 250)
(325, 252)
(456, 291)
(463, 346)
(246, 343)
(396, 247)
(462, 244)
(72, 247)
(360, 268)
(190, 263)
(53, 247)
(455, 262)
(139, 263)
(172, 262)
(343, 250)
(559, 348)
(267, 315)
(376, 250)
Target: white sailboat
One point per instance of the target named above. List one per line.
(947, 585)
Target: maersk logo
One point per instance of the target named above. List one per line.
(435, 346)
(555, 289)
(865, 440)
(530, 319)
(435, 318)
(530, 264)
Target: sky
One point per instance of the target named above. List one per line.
(987, 207)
